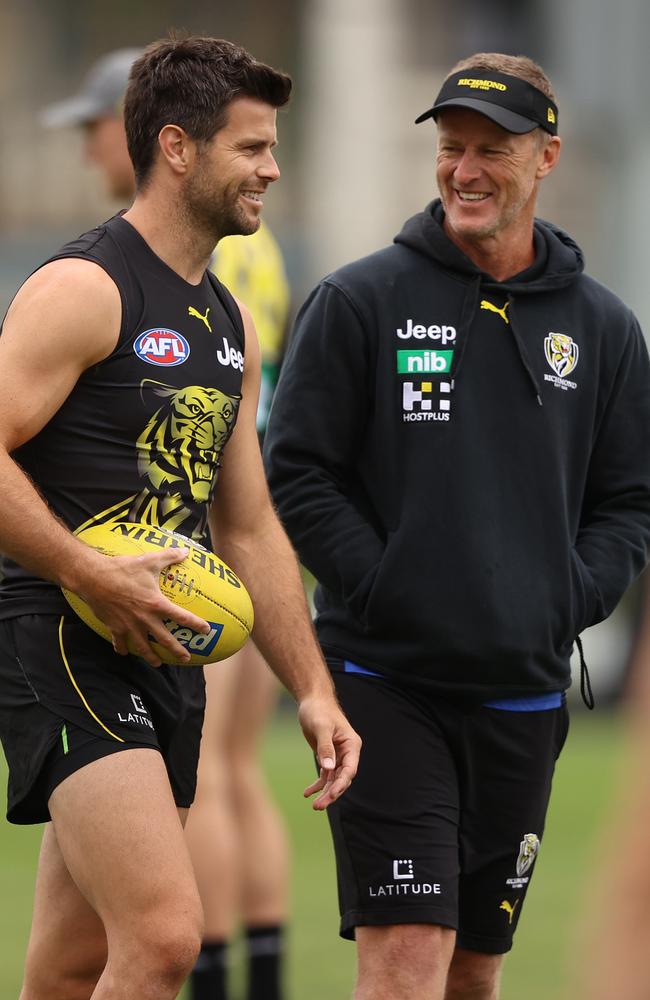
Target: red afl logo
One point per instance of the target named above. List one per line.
(162, 347)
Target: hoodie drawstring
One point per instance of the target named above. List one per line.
(523, 354)
(467, 313)
(585, 681)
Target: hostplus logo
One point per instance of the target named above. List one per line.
(404, 883)
(418, 401)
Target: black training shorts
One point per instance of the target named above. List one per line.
(443, 821)
(66, 698)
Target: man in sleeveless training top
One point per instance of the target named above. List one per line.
(102, 421)
(238, 844)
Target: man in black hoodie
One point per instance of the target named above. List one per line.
(460, 450)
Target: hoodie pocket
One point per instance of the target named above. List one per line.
(583, 596)
(375, 584)
(359, 598)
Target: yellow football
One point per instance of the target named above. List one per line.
(201, 583)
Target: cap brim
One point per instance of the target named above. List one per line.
(508, 120)
(75, 111)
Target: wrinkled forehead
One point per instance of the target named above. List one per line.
(470, 128)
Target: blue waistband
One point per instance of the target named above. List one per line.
(529, 703)
(354, 668)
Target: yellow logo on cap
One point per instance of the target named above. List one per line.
(551, 116)
(481, 84)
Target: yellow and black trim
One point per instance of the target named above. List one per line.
(77, 688)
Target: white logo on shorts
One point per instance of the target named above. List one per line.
(403, 868)
(138, 704)
(528, 850)
(140, 717)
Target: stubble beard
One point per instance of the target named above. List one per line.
(216, 212)
(493, 227)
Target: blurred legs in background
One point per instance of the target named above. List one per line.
(236, 836)
(613, 954)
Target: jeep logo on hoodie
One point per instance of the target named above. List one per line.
(445, 334)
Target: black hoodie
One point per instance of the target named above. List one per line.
(464, 464)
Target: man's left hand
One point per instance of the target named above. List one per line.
(335, 744)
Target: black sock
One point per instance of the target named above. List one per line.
(208, 979)
(265, 946)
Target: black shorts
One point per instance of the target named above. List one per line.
(443, 821)
(66, 698)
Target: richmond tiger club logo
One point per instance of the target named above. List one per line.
(528, 851)
(562, 354)
(178, 456)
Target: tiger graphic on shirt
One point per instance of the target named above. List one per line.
(178, 454)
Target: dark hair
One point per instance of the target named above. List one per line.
(190, 82)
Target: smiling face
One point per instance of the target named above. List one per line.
(488, 177)
(233, 170)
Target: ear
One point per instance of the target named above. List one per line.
(176, 148)
(549, 156)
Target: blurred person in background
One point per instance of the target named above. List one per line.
(469, 482)
(610, 958)
(236, 836)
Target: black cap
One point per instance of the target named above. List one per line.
(511, 102)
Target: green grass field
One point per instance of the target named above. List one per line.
(321, 966)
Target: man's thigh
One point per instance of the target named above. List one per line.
(121, 840)
(506, 762)
(444, 820)
(395, 830)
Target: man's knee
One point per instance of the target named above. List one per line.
(403, 958)
(473, 975)
(171, 955)
(167, 946)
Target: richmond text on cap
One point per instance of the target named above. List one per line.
(513, 103)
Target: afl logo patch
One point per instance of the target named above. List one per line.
(162, 347)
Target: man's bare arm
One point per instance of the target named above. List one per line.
(65, 319)
(248, 535)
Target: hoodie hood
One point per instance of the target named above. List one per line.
(558, 263)
(558, 259)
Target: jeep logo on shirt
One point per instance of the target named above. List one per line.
(445, 334)
(230, 357)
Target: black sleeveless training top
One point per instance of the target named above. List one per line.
(140, 436)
